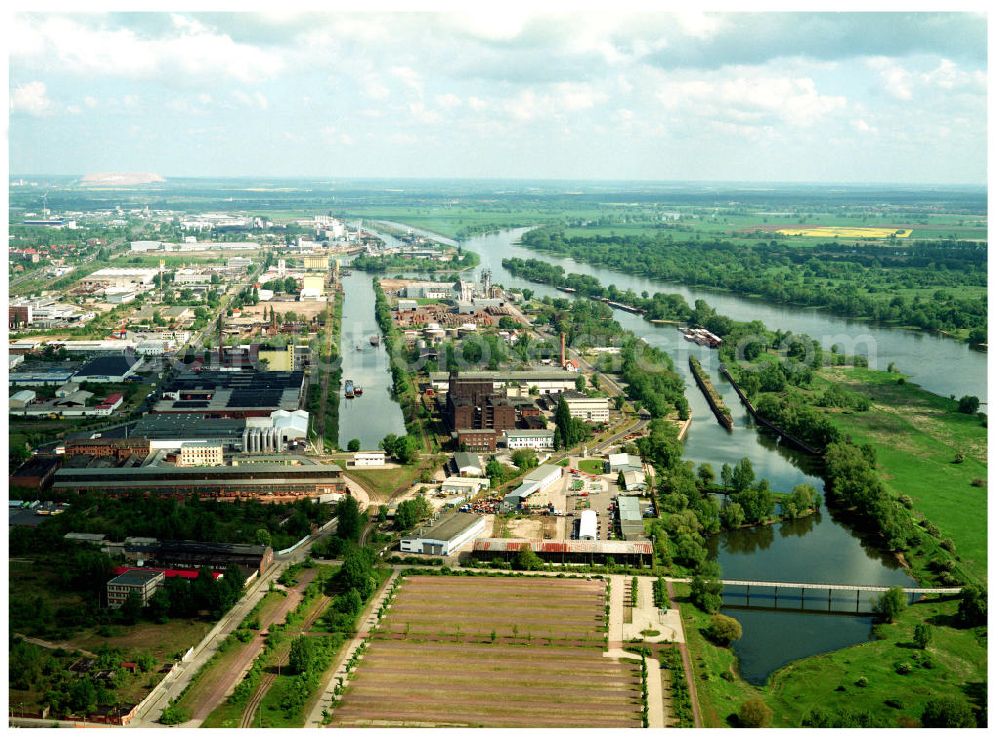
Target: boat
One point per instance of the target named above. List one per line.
(358, 347)
(349, 389)
(374, 340)
(358, 391)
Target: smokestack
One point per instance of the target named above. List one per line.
(562, 350)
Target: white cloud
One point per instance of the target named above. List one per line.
(448, 100)
(74, 109)
(90, 102)
(421, 113)
(863, 126)
(190, 49)
(333, 135)
(31, 98)
(896, 81)
(410, 78)
(372, 87)
(255, 99)
(750, 100)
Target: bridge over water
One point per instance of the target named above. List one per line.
(770, 590)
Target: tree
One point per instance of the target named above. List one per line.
(525, 458)
(755, 714)
(724, 630)
(968, 404)
(948, 713)
(83, 696)
(733, 515)
(356, 573)
(706, 475)
(263, 537)
(804, 497)
(350, 520)
(354, 445)
(494, 472)
(526, 559)
(706, 589)
(131, 609)
(922, 635)
(743, 475)
(972, 606)
(727, 476)
(890, 605)
(300, 656)
(581, 383)
(389, 444)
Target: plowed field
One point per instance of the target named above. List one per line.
(493, 652)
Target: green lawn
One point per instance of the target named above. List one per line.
(592, 466)
(916, 436)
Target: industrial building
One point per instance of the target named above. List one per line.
(584, 407)
(634, 553)
(623, 462)
(271, 434)
(512, 382)
(536, 481)
(200, 454)
(467, 465)
(467, 486)
(109, 369)
(633, 481)
(232, 393)
(447, 535)
(588, 526)
(128, 278)
(278, 478)
(630, 519)
(196, 554)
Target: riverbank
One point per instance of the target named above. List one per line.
(853, 686)
(722, 413)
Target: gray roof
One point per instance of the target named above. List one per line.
(188, 425)
(449, 526)
(542, 472)
(511, 375)
(135, 578)
(463, 460)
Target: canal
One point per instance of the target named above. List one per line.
(816, 549)
(374, 414)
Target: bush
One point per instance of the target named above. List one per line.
(972, 606)
(861, 682)
(922, 635)
(890, 605)
(755, 714)
(903, 668)
(947, 713)
(724, 630)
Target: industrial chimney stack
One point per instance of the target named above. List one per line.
(562, 350)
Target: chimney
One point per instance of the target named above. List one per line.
(562, 350)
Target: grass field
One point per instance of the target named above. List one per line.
(491, 652)
(383, 482)
(916, 436)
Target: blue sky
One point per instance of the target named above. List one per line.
(845, 97)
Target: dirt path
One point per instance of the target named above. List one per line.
(212, 696)
(688, 667)
(654, 684)
(55, 645)
(281, 661)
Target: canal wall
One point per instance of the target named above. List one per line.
(760, 419)
(722, 413)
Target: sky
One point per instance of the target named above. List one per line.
(815, 97)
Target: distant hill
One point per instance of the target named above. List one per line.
(120, 179)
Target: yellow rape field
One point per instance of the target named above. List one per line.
(875, 233)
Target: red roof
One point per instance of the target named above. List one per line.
(187, 574)
(111, 400)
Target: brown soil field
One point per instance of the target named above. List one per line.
(434, 661)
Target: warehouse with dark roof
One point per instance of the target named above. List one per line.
(232, 393)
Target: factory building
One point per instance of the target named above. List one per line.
(232, 393)
(633, 553)
(534, 439)
(199, 454)
(447, 535)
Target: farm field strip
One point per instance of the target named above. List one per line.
(432, 663)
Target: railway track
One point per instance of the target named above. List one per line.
(246, 720)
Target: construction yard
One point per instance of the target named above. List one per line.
(492, 652)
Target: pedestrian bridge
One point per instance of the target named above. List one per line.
(766, 595)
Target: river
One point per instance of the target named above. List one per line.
(820, 549)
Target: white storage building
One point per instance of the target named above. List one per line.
(588, 525)
(463, 486)
(369, 458)
(447, 535)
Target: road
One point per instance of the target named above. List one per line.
(226, 625)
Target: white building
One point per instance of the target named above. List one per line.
(126, 278)
(635, 481)
(591, 409)
(446, 536)
(588, 525)
(624, 462)
(535, 439)
(20, 400)
(537, 481)
(200, 454)
(369, 458)
(468, 486)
